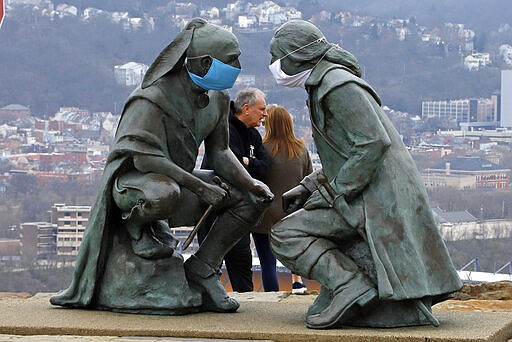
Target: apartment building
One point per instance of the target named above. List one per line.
(450, 110)
(463, 111)
(71, 221)
(38, 241)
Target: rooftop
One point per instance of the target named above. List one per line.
(468, 164)
(15, 107)
(442, 216)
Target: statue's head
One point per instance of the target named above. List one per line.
(212, 41)
(200, 45)
(299, 45)
(212, 56)
(299, 41)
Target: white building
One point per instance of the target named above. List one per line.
(481, 230)
(71, 221)
(246, 81)
(64, 10)
(476, 61)
(506, 98)
(246, 21)
(457, 110)
(130, 74)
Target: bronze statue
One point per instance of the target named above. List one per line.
(362, 225)
(127, 261)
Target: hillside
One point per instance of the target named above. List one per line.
(484, 17)
(47, 63)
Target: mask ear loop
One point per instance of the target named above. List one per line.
(329, 49)
(304, 46)
(195, 57)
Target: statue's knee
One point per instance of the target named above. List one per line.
(279, 238)
(150, 195)
(162, 195)
(245, 211)
(279, 230)
(125, 196)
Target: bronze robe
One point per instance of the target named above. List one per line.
(410, 258)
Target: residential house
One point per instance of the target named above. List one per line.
(476, 61)
(130, 74)
(13, 112)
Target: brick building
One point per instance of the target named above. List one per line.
(38, 241)
(9, 250)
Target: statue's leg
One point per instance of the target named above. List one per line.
(202, 269)
(145, 200)
(352, 290)
(308, 242)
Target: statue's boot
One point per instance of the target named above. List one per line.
(202, 269)
(321, 302)
(352, 291)
(153, 240)
(206, 280)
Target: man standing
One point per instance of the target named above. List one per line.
(150, 183)
(248, 111)
(363, 228)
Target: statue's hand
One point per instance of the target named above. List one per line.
(318, 199)
(260, 193)
(213, 194)
(295, 198)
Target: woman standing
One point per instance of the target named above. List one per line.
(290, 164)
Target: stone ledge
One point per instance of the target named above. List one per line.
(262, 316)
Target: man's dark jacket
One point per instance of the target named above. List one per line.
(241, 139)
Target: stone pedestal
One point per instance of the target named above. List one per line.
(137, 285)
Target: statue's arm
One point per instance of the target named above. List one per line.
(210, 193)
(353, 110)
(143, 120)
(222, 160)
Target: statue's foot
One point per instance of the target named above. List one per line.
(344, 305)
(321, 302)
(206, 280)
(149, 248)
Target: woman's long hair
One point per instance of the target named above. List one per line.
(279, 133)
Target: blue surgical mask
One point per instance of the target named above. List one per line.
(220, 76)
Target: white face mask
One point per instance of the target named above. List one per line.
(297, 80)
